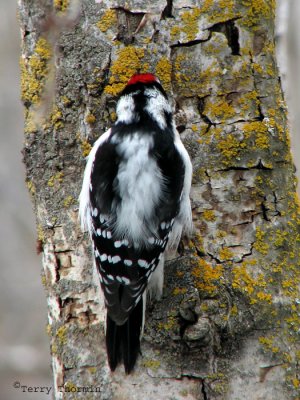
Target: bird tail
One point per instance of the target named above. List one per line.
(123, 341)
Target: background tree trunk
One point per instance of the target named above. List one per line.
(228, 325)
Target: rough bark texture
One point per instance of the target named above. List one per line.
(228, 325)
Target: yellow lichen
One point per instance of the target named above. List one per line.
(56, 118)
(170, 324)
(230, 147)
(163, 72)
(90, 118)
(175, 32)
(225, 254)
(85, 147)
(40, 233)
(44, 280)
(34, 71)
(68, 201)
(31, 124)
(249, 284)
(206, 276)
(258, 130)
(31, 187)
(219, 109)
(61, 5)
(56, 179)
(70, 387)
(209, 215)
(152, 364)
(257, 9)
(190, 23)
(108, 20)
(178, 290)
(260, 244)
(61, 334)
(128, 62)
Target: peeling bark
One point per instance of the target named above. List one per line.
(228, 325)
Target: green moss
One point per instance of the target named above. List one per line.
(34, 71)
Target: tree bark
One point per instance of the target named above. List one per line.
(228, 324)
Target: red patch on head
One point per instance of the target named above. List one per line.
(142, 78)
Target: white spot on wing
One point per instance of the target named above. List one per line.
(116, 259)
(103, 257)
(128, 262)
(102, 218)
(126, 281)
(143, 263)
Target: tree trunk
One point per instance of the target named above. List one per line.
(228, 324)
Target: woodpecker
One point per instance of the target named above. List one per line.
(135, 203)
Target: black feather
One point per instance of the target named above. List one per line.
(123, 341)
(113, 343)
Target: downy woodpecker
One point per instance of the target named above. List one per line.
(135, 203)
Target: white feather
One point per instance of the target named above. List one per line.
(156, 106)
(183, 222)
(156, 282)
(126, 109)
(141, 187)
